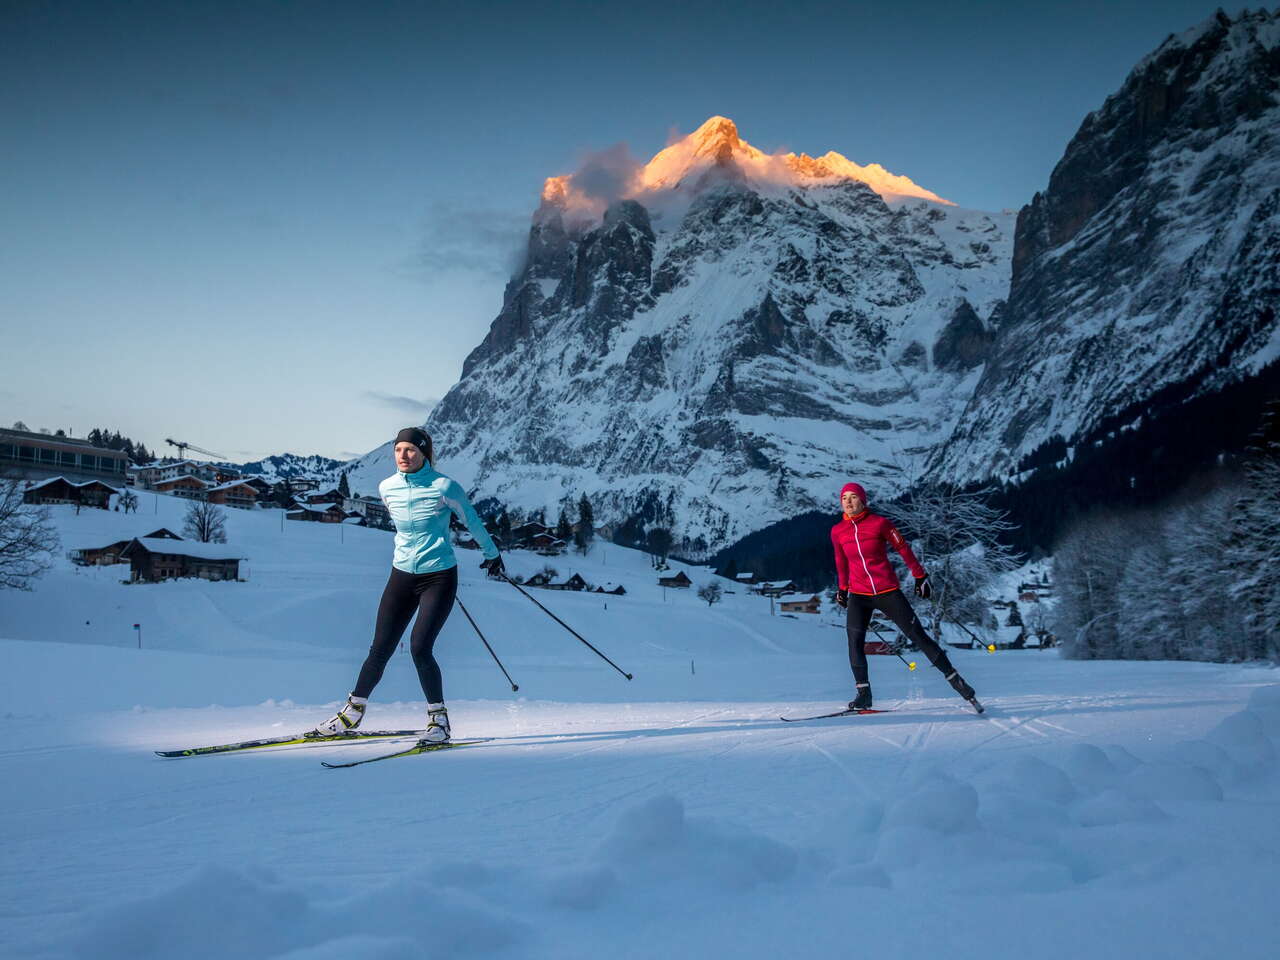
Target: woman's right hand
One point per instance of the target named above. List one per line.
(842, 599)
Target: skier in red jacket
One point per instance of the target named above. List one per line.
(867, 582)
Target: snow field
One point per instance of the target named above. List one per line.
(1111, 809)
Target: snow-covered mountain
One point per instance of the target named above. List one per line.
(712, 340)
(713, 344)
(285, 466)
(1151, 262)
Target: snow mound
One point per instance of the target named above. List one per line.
(220, 911)
(657, 841)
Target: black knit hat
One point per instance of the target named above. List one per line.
(418, 438)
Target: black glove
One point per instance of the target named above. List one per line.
(495, 568)
(923, 590)
(842, 599)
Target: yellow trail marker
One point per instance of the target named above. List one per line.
(991, 648)
(911, 665)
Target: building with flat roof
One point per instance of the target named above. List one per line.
(40, 456)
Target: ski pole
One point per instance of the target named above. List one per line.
(911, 664)
(566, 626)
(990, 647)
(471, 619)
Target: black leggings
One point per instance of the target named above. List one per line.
(894, 606)
(431, 596)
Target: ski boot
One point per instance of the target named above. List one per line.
(344, 721)
(863, 700)
(437, 724)
(959, 685)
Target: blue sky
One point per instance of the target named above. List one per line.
(261, 227)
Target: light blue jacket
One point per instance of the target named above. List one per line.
(419, 504)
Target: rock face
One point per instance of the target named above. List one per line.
(1153, 257)
(712, 349)
(720, 341)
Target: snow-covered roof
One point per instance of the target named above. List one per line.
(316, 507)
(188, 548)
(72, 483)
(230, 484)
(744, 576)
(773, 584)
(797, 597)
(183, 479)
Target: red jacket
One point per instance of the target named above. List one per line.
(862, 562)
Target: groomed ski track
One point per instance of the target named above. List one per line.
(1097, 809)
(697, 825)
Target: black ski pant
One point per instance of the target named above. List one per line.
(430, 596)
(894, 606)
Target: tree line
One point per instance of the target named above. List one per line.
(1196, 579)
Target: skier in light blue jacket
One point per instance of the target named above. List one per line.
(424, 578)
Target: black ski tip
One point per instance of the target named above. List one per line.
(628, 676)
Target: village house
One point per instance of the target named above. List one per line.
(613, 589)
(798, 603)
(372, 509)
(680, 580)
(775, 588)
(105, 556)
(88, 493)
(237, 493)
(150, 475)
(329, 513)
(153, 560)
(39, 456)
(746, 579)
(187, 486)
(575, 583)
(318, 497)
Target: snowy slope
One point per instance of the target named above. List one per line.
(709, 348)
(1105, 809)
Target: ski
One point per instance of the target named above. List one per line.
(838, 713)
(297, 738)
(419, 747)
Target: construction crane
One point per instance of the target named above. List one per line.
(183, 447)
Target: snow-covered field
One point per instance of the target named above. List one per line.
(1098, 809)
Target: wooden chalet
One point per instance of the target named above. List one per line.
(105, 556)
(237, 493)
(798, 603)
(89, 493)
(152, 560)
(546, 544)
(680, 580)
(613, 589)
(537, 580)
(330, 513)
(186, 486)
(776, 588)
(322, 496)
(575, 583)
(746, 579)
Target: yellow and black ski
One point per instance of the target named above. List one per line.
(355, 736)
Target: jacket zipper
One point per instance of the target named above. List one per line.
(870, 579)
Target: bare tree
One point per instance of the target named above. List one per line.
(28, 539)
(956, 535)
(205, 522)
(710, 592)
(128, 502)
